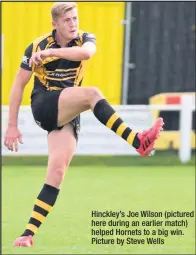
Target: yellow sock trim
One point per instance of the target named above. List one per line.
(111, 120)
(32, 227)
(38, 216)
(43, 205)
(121, 129)
(131, 137)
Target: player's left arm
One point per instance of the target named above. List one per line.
(86, 51)
(89, 45)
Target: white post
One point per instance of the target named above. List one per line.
(185, 128)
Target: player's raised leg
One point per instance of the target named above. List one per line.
(61, 146)
(73, 101)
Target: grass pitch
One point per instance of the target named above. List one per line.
(67, 230)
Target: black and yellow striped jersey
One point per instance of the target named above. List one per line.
(55, 73)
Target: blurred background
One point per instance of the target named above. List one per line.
(145, 66)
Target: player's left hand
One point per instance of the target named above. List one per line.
(38, 57)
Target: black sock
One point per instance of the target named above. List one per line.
(43, 205)
(107, 116)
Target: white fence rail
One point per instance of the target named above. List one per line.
(96, 139)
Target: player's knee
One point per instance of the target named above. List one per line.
(59, 173)
(94, 94)
(58, 169)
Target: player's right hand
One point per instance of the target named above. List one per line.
(12, 137)
(38, 57)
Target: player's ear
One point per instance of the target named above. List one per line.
(54, 24)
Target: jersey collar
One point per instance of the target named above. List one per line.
(69, 44)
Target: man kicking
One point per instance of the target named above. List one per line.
(58, 60)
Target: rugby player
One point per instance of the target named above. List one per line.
(58, 60)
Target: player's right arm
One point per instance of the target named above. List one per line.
(23, 76)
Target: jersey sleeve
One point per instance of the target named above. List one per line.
(25, 59)
(88, 37)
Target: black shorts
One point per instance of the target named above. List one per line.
(44, 105)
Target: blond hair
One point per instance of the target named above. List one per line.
(60, 8)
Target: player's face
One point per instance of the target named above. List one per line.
(67, 24)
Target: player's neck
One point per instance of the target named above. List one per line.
(62, 41)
